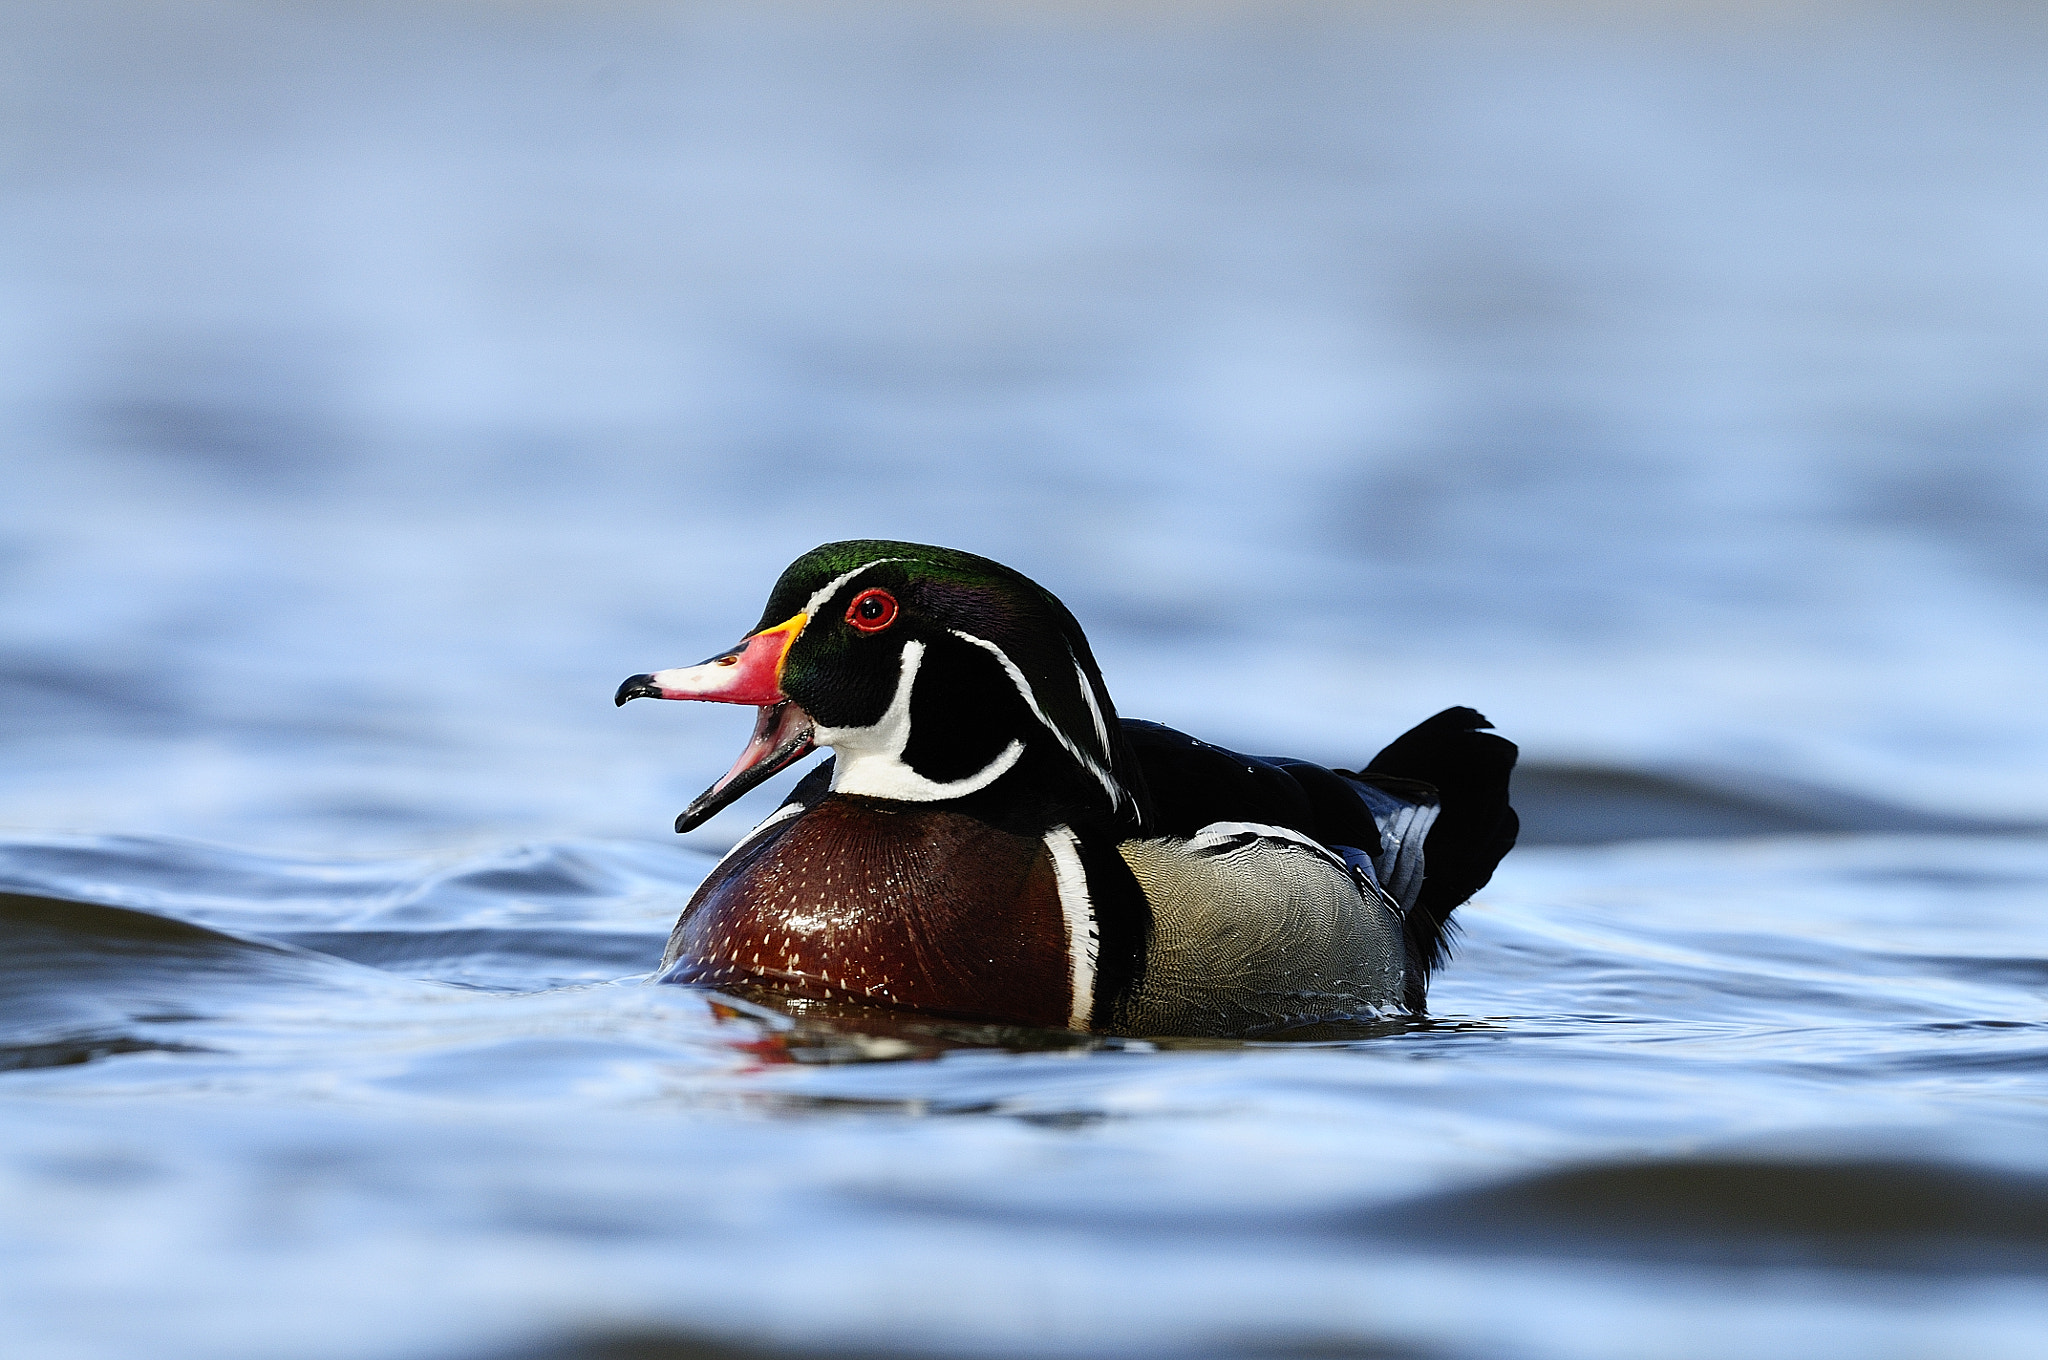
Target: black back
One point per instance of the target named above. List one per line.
(1448, 759)
(1193, 783)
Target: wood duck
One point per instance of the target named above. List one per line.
(990, 842)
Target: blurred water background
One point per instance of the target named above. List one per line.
(382, 383)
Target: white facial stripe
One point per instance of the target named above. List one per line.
(1094, 709)
(1215, 833)
(1087, 762)
(1082, 941)
(831, 587)
(870, 759)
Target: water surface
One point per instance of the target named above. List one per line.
(1782, 1097)
(380, 384)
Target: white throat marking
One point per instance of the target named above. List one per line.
(869, 760)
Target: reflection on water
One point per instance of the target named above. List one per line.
(1783, 1094)
(381, 384)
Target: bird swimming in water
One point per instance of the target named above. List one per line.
(991, 842)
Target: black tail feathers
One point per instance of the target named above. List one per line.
(1469, 767)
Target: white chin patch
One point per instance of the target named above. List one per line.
(869, 760)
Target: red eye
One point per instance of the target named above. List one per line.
(872, 611)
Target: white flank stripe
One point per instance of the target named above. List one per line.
(870, 759)
(1065, 848)
(1215, 833)
(826, 591)
(1087, 762)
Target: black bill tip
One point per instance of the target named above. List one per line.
(637, 687)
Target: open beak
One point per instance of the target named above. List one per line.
(750, 673)
(782, 736)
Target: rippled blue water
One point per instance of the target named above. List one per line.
(429, 1108)
(379, 385)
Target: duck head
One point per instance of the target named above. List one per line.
(933, 675)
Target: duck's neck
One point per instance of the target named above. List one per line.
(957, 733)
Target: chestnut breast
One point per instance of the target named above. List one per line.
(903, 903)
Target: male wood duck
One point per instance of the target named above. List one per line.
(989, 841)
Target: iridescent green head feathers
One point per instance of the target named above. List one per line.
(935, 675)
